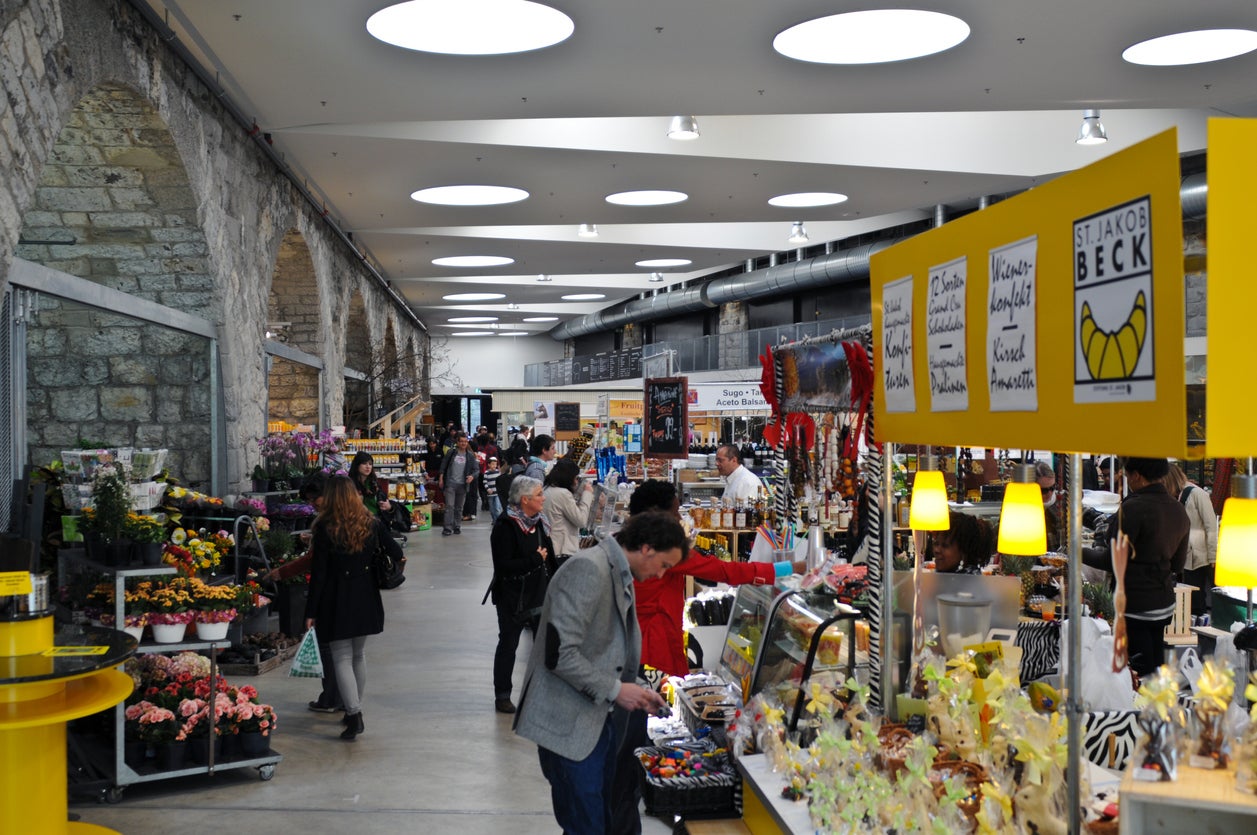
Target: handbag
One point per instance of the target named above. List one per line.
(389, 573)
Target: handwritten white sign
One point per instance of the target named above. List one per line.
(896, 338)
(1011, 312)
(945, 337)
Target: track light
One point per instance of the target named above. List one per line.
(683, 127)
(587, 230)
(798, 234)
(1092, 131)
(543, 277)
(656, 277)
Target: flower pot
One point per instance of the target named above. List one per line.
(94, 546)
(212, 631)
(230, 745)
(170, 756)
(260, 485)
(253, 744)
(291, 605)
(135, 752)
(136, 632)
(150, 553)
(199, 748)
(168, 633)
(256, 621)
(118, 552)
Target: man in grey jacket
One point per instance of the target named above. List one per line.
(581, 678)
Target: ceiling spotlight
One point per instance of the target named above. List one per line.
(1092, 131)
(587, 230)
(798, 234)
(543, 277)
(683, 127)
(665, 262)
(656, 276)
(512, 306)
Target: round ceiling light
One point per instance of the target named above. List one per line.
(473, 333)
(1199, 47)
(486, 27)
(473, 261)
(473, 297)
(647, 197)
(542, 319)
(806, 199)
(664, 262)
(877, 36)
(469, 195)
(470, 320)
(583, 297)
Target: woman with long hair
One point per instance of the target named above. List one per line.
(523, 562)
(567, 504)
(344, 602)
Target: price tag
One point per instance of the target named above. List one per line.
(14, 583)
(65, 652)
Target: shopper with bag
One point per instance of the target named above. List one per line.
(523, 562)
(344, 601)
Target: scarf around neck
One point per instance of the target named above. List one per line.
(528, 523)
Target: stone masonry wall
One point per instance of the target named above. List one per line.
(94, 70)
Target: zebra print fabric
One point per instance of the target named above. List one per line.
(1099, 726)
(1040, 649)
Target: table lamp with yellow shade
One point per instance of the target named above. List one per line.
(1237, 538)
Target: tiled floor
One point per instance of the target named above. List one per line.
(435, 757)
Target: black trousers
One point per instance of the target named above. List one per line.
(626, 792)
(1145, 641)
(509, 630)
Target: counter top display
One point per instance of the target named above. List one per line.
(76, 651)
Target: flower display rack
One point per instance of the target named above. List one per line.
(118, 773)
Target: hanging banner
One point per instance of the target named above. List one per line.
(1072, 297)
(1011, 361)
(1113, 351)
(945, 337)
(898, 388)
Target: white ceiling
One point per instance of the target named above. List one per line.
(365, 124)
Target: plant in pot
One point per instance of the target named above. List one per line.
(159, 727)
(215, 608)
(111, 502)
(170, 608)
(148, 534)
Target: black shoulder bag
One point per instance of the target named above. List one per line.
(389, 573)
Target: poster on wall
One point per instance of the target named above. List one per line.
(566, 421)
(666, 427)
(1113, 312)
(945, 349)
(1012, 310)
(898, 378)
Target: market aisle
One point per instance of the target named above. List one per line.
(434, 758)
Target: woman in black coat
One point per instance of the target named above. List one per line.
(523, 561)
(344, 602)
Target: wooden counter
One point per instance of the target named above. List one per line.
(1199, 801)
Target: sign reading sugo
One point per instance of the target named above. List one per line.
(726, 397)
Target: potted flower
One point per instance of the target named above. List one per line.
(215, 609)
(170, 609)
(111, 502)
(99, 601)
(159, 727)
(252, 720)
(148, 534)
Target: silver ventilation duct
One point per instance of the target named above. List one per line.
(784, 279)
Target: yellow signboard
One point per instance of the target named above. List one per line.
(1229, 396)
(15, 583)
(621, 409)
(1053, 320)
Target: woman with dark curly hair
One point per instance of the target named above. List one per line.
(965, 547)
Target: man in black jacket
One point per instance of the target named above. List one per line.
(1157, 526)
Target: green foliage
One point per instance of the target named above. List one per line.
(1099, 599)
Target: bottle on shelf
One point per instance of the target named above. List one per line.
(739, 515)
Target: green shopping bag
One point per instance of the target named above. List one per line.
(307, 663)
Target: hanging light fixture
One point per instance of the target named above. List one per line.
(1022, 527)
(798, 233)
(587, 230)
(683, 127)
(928, 511)
(543, 277)
(1092, 131)
(1237, 538)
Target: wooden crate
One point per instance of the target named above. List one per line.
(258, 667)
(1180, 628)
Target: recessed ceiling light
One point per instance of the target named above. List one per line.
(473, 261)
(469, 195)
(665, 262)
(871, 37)
(473, 333)
(486, 27)
(1199, 47)
(542, 319)
(587, 230)
(473, 297)
(514, 333)
(543, 277)
(647, 197)
(583, 297)
(467, 320)
(804, 199)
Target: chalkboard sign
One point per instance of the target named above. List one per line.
(566, 421)
(666, 428)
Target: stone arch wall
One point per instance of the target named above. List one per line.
(293, 311)
(57, 52)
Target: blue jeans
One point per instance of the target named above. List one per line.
(580, 790)
(495, 507)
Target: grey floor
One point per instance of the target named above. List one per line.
(435, 756)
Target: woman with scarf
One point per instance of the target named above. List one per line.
(523, 561)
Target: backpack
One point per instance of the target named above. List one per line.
(504, 483)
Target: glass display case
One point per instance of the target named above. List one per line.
(784, 642)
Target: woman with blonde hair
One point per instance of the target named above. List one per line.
(344, 602)
(1202, 540)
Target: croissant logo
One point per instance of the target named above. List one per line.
(1113, 356)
